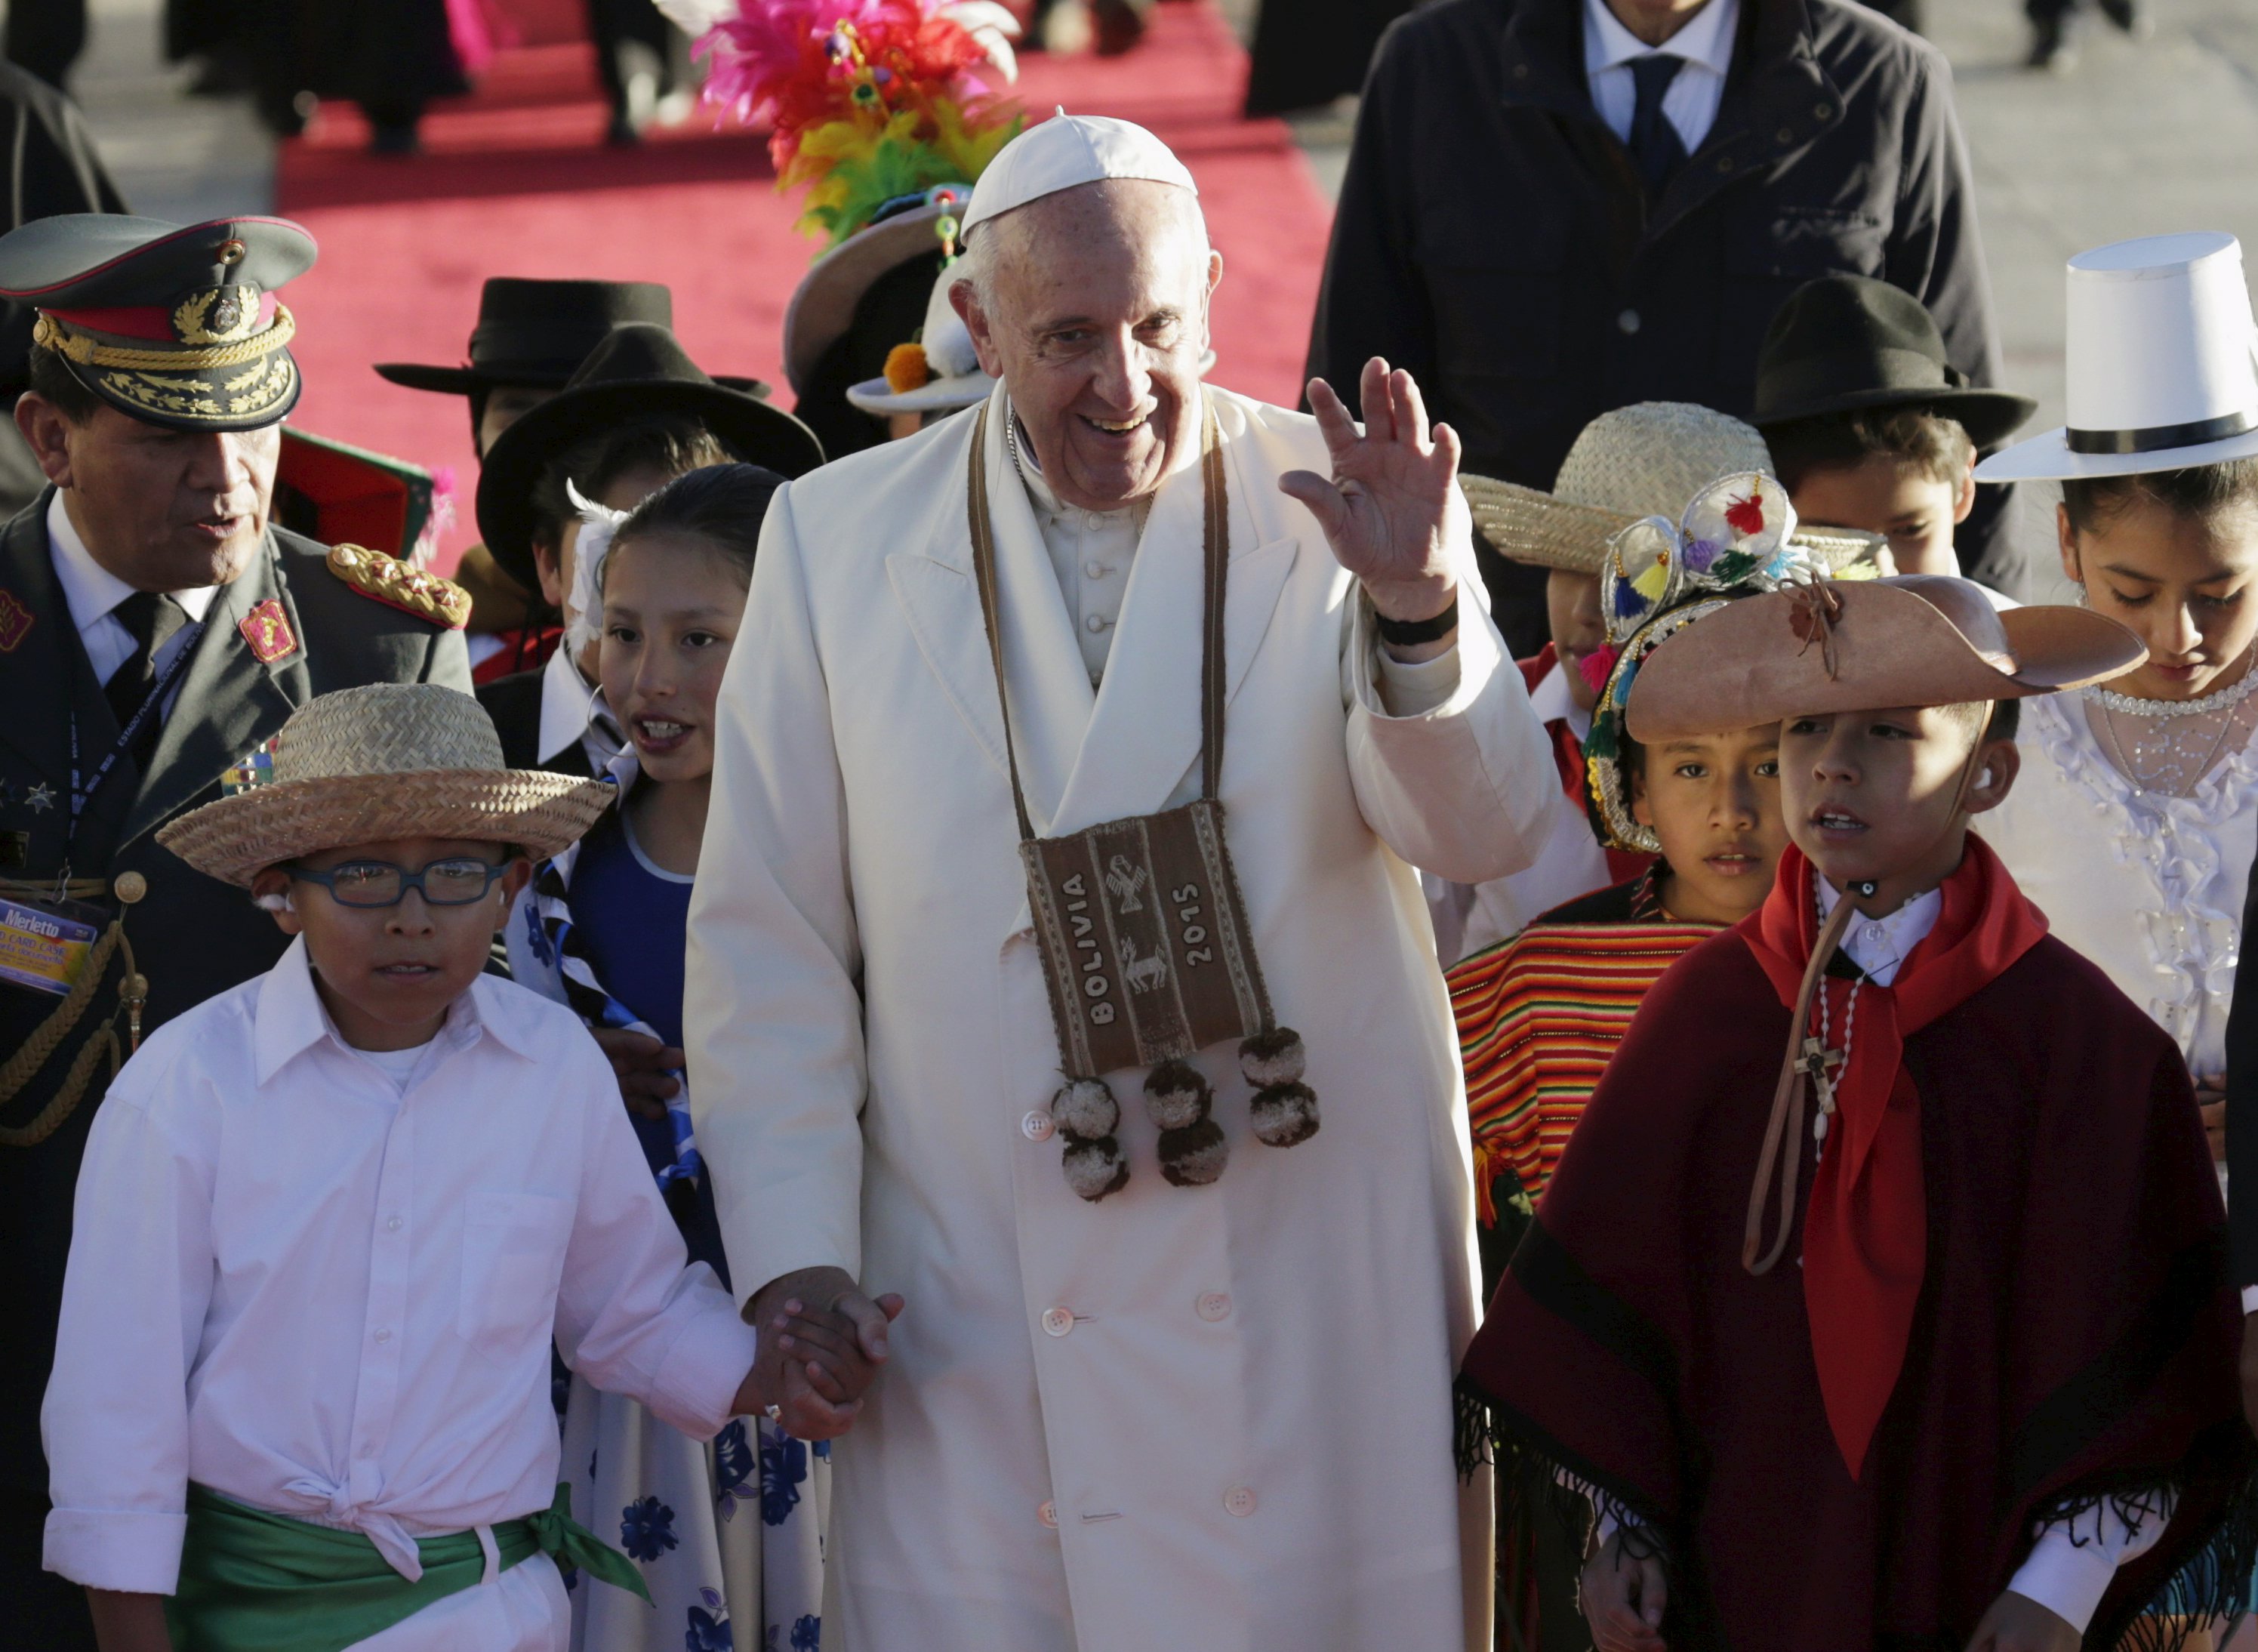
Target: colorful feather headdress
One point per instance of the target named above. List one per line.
(867, 101)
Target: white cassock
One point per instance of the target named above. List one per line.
(1207, 1420)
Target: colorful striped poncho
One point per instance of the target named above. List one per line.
(1539, 1015)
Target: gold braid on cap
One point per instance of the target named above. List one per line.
(90, 353)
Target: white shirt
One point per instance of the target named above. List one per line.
(1690, 104)
(1879, 945)
(327, 1297)
(92, 592)
(570, 712)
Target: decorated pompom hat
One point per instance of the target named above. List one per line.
(937, 371)
(1737, 539)
(2161, 363)
(386, 761)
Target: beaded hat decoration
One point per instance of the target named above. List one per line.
(1737, 539)
(174, 325)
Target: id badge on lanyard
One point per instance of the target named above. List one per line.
(1147, 955)
(46, 939)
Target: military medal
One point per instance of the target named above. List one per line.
(1147, 955)
(266, 628)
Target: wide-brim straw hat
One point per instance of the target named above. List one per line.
(365, 766)
(1644, 460)
(1836, 646)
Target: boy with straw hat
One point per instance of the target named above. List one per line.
(329, 1221)
(1938, 1347)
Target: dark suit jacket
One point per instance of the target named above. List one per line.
(1494, 239)
(191, 936)
(513, 703)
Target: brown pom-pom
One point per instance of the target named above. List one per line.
(906, 368)
(1095, 1168)
(1196, 1156)
(1273, 1058)
(1176, 1096)
(1086, 1107)
(1283, 1114)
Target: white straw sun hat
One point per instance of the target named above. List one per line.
(389, 760)
(2161, 363)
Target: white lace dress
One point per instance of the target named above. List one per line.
(2150, 888)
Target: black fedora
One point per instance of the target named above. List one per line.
(537, 332)
(1847, 344)
(637, 370)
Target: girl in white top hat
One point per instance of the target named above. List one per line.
(2136, 818)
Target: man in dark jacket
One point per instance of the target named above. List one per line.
(1525, 227)
(155, 630)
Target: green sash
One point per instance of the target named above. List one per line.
(255, 1582)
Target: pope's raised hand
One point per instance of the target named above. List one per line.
(1392, 510)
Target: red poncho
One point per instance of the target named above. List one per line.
(2071, 1330)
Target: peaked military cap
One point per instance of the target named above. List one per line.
(176, 325)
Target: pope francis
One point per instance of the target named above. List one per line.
(1138, 1395)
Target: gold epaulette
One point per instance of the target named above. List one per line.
(397, 584)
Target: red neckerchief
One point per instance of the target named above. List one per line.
(1623, 865)
(1865, 1231)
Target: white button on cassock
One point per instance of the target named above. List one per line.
(1239, 1500)
(1048, 1515)
(1057, 1321)
(1037, 1126)
(1095, 624)
(1214, 1306)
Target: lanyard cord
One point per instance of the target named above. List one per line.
(81, 795)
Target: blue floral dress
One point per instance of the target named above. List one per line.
(728, 1532)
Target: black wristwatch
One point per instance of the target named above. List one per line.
(1404, 633)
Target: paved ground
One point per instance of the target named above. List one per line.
(2142, 138)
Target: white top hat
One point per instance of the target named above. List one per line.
(1068, 151)
(2162, 364)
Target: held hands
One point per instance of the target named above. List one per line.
(1623, 1597)
(1392, 510)
(2016, 1623)
(821, 1341)
(645, 1067)
(2211, 1101)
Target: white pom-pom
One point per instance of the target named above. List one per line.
(1275, 1056)
(1196, 1156)
(1095, 1168)
(1176, 1097)
(1086, 1107)
(1283, 1114)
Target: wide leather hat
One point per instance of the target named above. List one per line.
(174, 325)
(1850, 344)
(1844, 646)
(638, 370)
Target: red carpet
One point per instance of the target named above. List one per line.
(514, 181)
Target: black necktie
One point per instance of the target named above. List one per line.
(153, 619)
(1654, 142)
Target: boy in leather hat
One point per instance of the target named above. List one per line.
(1938, 1347)
(330, 1220)
(1869, 426)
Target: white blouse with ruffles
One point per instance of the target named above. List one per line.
(2149, 887)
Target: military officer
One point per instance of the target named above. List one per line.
(156, 629)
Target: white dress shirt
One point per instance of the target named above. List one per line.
(570, 711)
(2071, 1565)
(331, 1295)
(1690, 104)
(93, 593)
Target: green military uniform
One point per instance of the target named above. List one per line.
(299, 621)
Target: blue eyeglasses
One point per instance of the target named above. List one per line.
(456, 881)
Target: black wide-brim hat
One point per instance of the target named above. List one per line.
(638, 370)
(1850, 344)
(176, 325)
(536, 332)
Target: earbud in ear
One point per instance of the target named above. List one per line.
(276, 901)
(1985, 778)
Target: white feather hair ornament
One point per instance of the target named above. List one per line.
(584, 603)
